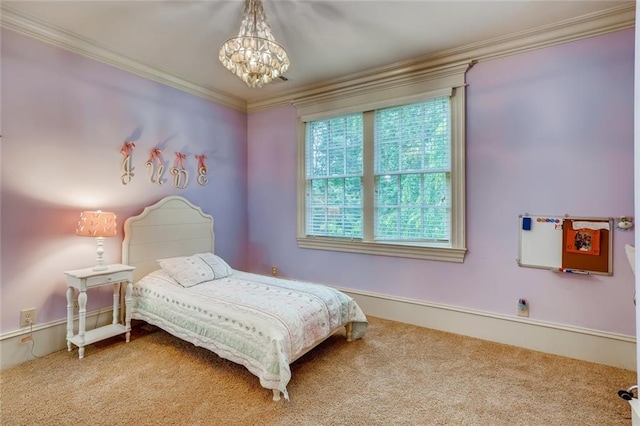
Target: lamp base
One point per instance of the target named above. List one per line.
(100, 268)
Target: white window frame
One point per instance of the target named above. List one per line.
(368, 97)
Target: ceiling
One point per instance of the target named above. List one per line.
(325, 39)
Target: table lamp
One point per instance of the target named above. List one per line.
(97, 224)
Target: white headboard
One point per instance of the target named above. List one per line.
(169, 228)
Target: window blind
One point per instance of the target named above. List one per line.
(413, 172)
(334, 167)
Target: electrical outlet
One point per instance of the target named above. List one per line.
(274, 270)
(523, 308)
(27, 317)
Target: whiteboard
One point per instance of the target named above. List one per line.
(558, 243)
(541, 246)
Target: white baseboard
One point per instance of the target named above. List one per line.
(46, 338)
(589, 345)
(635, 412)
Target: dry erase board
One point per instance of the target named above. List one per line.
(566, 244)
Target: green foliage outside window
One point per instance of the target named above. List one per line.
(412, 174)
(334, 177)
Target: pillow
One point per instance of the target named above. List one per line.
(192, 270)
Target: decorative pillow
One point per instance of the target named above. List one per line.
(192, 270)
(219, 267)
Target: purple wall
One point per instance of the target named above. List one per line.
(548, 132)
(64, 120)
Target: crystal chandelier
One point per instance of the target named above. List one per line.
(254, 55)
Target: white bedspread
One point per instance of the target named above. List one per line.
(261, 322)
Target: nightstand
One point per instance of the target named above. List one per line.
(83, 279)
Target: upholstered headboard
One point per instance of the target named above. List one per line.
(169, 228)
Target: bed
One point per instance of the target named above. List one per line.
(261, 322)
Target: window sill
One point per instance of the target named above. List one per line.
(442, 254)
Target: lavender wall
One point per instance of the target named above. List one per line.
(64, 120)
(548, 132)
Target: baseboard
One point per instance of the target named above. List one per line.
(635, 412)
(589, 345)
(45, 338)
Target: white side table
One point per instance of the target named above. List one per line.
(83, 279)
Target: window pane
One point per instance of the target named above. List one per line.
(334, 207)
(318, 192)
(318, 136)
(330, 142)
(387, 223)
(317, 221)
(333, 157)
(318, 164)
(353, 222)
(411, 187)
(389, 125)
(354, 160)
(353, 192)
(335, 192)
(387, 190)
(436, 189)
(343, 222)
(412, 166)
(337, 166)
(418, 135)
(411, 223)
(388, 158)
(412, 153)
(334, 222)
(437, 221)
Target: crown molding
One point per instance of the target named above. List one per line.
(31, 26)
(590, 25)
(453, 73)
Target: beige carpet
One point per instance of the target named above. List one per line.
(397, 375)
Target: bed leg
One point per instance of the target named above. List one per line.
(276, 395)
(349, 330)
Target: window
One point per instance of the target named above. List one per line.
(334, 177)
(412, 158)
(384, 176)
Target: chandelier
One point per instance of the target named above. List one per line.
(254, 55)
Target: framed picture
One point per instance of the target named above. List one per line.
(583, 241)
